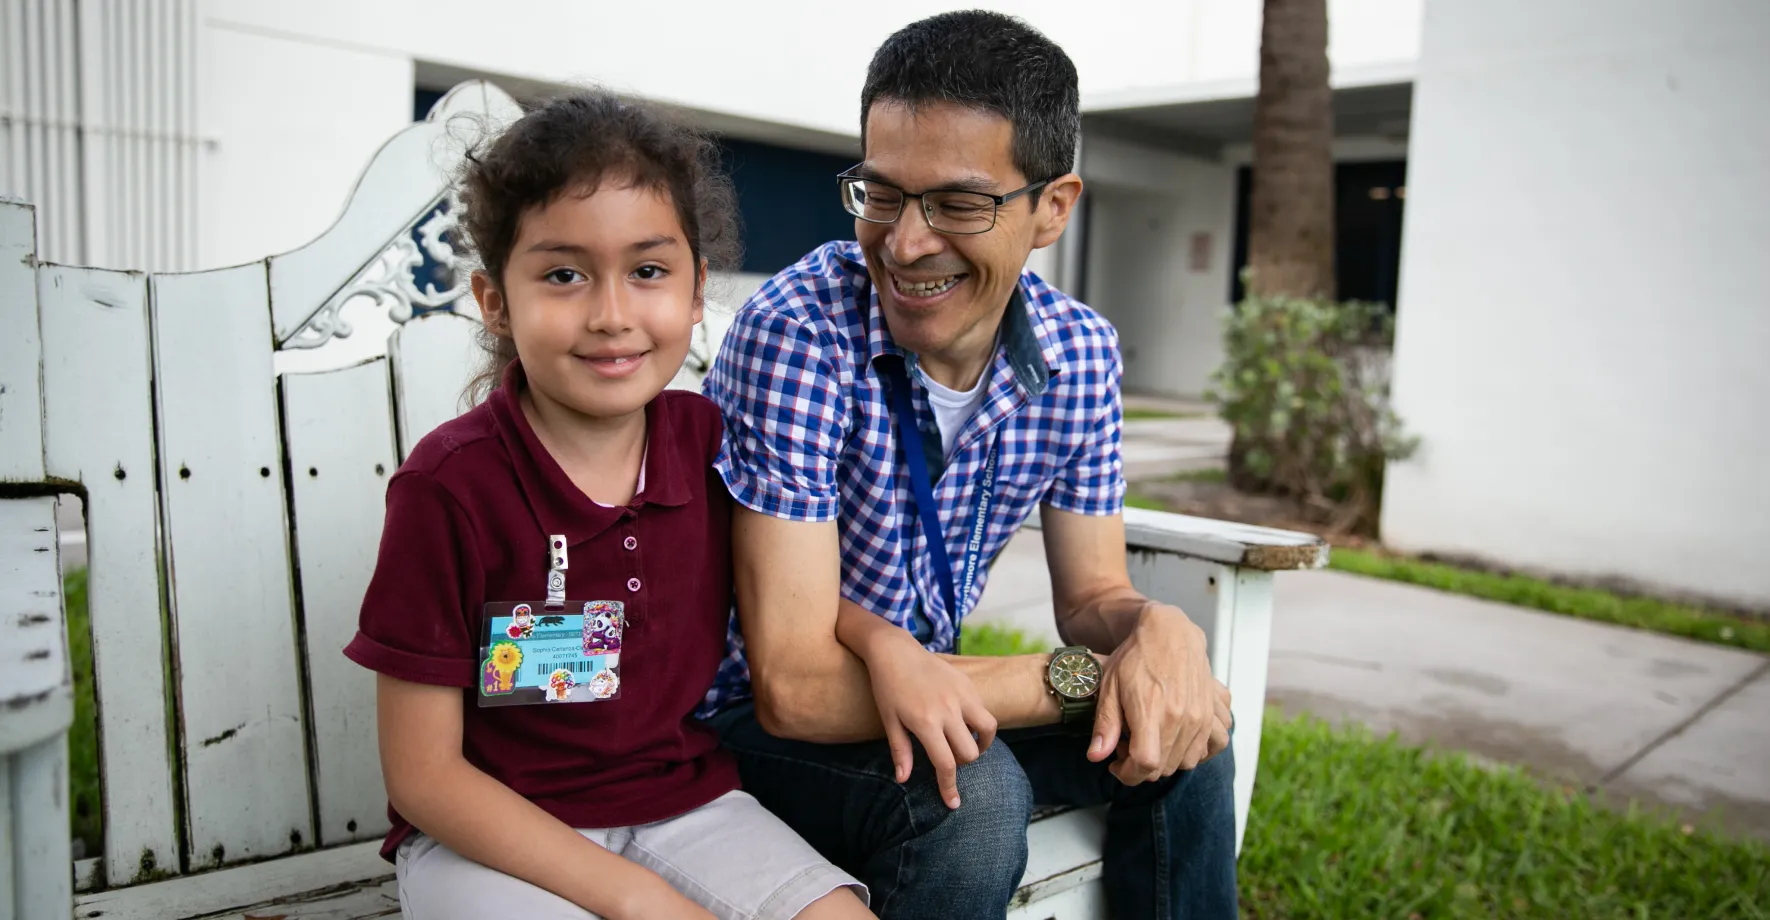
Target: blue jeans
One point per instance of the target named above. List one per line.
(1170, 845)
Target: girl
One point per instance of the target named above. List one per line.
(553, 586)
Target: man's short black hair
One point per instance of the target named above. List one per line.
(986, 61)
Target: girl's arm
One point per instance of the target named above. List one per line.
(476, 816)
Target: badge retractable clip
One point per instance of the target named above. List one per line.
(556, 572)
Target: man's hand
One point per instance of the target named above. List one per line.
(923, 695)
(1159, 710)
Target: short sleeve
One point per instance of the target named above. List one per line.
(785, 411)
(419, 614)
(1093, 481)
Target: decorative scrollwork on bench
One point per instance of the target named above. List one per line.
(419, 272)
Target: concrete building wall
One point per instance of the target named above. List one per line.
(296, 96)
(290, 123)
(1147, 209)
(1584, 317)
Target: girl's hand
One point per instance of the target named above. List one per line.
(921, 694)
(661, 901)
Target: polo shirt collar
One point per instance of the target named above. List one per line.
(1026, 332)
(558, 504)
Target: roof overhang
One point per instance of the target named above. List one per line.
(1200, 119)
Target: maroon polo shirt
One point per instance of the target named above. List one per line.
(468, 516)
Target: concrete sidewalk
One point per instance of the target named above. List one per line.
(1637, 714)
(1192, 438)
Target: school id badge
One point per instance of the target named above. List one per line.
(534, 655)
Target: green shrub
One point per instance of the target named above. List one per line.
(1305, 385)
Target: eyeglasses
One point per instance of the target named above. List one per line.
(947, 210)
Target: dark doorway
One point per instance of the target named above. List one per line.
(1368, 201)
(423, 100)
(786, 196)
(788, 201)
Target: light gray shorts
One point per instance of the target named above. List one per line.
(730, 855)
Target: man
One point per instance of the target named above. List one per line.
(918, 383)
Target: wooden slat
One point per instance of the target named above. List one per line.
(40, 836)
(242, 738)
(89, 873)
(432, 358)
(36, 706)
(1233, 606)
(6, 821)
(1229, 542)
(1247, 683)
(231, 889)
(1225, 541)
(1196, 586)
(1063, 852)
(340, 442)
(36, 695)
(1084, 902)
(1062, 880)
(21, 419)
(98, 399)
(367, 900)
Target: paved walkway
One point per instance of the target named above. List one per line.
(1638, 714)
(1192, 438)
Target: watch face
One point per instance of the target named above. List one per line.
(1075, 675)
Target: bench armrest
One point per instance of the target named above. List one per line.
(1245, 545)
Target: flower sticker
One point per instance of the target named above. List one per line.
(559, 686)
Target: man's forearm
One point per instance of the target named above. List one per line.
(1104, 622)
(828, 704)
(834, 704)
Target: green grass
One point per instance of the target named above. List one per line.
(1139, 415)
(1346, 825)
(1136, 499)
(989, 639)
(1586, 603)
(86, 815)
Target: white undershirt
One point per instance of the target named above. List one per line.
(952, 409)
(644, 455)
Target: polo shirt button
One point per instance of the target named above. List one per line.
(633, 584)
(630, 543)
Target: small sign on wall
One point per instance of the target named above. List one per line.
(1201, 252)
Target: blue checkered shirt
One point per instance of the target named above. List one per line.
(809, 437)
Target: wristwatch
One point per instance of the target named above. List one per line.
(1073, 676)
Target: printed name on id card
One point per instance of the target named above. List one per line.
(535, 655)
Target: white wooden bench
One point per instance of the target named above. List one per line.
(233, 501)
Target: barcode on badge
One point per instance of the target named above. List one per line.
(577, 667)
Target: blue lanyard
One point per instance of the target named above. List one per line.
(910, 436)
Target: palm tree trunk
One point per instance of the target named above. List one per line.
(1291, 232)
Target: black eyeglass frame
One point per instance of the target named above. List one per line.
(846, 178)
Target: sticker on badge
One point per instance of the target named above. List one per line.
(522, 622)
(530, 656)
(604, 622)
(559, 686)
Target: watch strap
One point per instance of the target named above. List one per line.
(1075, 712)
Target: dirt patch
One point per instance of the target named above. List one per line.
(1209, 499)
